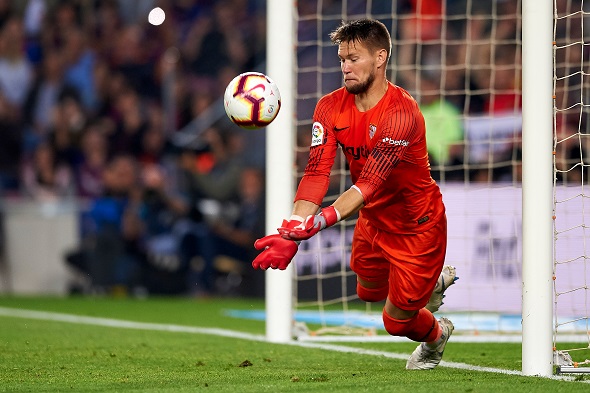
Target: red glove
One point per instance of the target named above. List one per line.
(327, 217)
(277, 252)
(288, 225)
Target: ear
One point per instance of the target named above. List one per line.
(381, 58)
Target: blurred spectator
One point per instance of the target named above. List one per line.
(130, 57)
(211, 174)
(420, 30)
(69, 121)
(105, 28)
(219, 250)
(217, 40)
(45, 178)
(80, 61)
(111, 252)
(504, 83)
(6, 11)
(64, 16)
(16, 71)
(43, 97)
(130, 123)
(236, 229)
(444, 131)
(153, 142)
(166, 231)
(492, 61)
(34, 15)
(94, 159)
(109, 84)
(216, 170)
(10, 149)
(242, 222)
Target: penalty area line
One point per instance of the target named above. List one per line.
(123, 324)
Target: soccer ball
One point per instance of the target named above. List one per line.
(252, 100)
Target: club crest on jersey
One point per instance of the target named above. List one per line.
(372, 130)
(317, 134)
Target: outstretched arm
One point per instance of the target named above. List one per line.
(346, 205)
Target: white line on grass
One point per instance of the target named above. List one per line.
(118, 323)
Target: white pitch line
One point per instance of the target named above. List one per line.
(118, 323)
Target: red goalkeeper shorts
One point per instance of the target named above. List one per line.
(410, 263)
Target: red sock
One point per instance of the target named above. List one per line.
(422, 327)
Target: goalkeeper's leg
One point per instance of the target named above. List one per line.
(419, 326)
(416, 264)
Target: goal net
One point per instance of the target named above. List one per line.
(571, 193)
(462, 62)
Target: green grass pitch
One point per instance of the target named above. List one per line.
(155, 355)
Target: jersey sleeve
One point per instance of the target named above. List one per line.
(397, 133)
(316, 177)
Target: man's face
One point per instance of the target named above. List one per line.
(358, 66)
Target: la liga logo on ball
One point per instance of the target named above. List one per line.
(252, 100)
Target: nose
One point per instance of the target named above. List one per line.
(345, 67)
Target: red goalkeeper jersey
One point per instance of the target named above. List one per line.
(386, 152)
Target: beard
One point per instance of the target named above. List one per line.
(362, 87)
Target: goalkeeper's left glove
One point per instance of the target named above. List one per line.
(327, 217)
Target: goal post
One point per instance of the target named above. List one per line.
(537, 183)
(280, 142)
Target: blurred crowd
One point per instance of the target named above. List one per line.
(93, 100)
(91, 96)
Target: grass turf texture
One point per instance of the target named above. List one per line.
(40, 355)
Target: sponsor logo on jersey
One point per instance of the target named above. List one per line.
(356, 152)
(396, 142)
(317, 134)
(372, 130)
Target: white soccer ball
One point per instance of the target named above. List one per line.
(252, 100)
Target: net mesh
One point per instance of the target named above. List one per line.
(571, 219)
(461, 60)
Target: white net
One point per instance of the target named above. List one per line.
(461, 61)
(571, 193)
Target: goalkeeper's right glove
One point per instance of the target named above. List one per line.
(327, 217)
(277, 252)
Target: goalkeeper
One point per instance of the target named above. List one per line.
(400, 238)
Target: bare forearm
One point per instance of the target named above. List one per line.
(349, 203)
(303, 208)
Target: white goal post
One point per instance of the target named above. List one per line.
(280, 137)
(537, 183)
